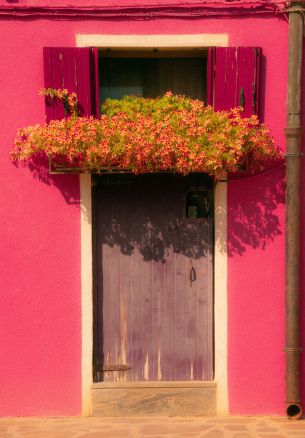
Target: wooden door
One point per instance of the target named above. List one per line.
(153, 280)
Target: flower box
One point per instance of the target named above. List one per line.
(141, 135)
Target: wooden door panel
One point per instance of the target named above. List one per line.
(152, 318)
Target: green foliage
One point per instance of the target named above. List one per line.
(170, 132)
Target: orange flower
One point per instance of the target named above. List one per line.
(146, 135)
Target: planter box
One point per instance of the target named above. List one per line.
(55, 168)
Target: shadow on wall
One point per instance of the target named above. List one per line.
(253, 220)
(252, 213)
(252, 210)
(156, 241)
(68, 185)
(147, 215)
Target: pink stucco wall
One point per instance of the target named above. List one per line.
(40, 310)
(256, 263)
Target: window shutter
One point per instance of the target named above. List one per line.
(75, 69)
(233, 78)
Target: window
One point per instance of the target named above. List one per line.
(229, 73)
(152, 73)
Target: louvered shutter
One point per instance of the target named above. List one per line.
(75, 69)
(233, 78)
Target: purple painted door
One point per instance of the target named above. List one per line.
(153, 280)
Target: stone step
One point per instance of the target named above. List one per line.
(115, 399)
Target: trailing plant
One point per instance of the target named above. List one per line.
(143, 135)
(69, 100)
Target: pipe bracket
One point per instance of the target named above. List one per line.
(294, 131)
(295, 9)
(294, 154)
(293, 349)
(292, 401)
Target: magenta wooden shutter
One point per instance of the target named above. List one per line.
(233, 78)
(74, 69)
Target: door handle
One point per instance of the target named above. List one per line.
(192, 275)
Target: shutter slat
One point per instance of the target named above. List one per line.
(233, 78)
(210, 75)
(95, 83)
(48, 72)
(256, 85)
(83, 79)
(245, 69)
(220, 101)
(69, 67)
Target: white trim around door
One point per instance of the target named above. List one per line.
(126, 42)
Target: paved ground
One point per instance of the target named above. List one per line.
(154, 427)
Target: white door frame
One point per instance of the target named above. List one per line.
(126, 42)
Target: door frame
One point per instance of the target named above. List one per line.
(189, 41)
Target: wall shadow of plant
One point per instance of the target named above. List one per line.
(253, 220)
(146, 214)
(155, 241)
(68, 185)
(252, 212)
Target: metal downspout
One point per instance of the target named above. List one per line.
(293, 133)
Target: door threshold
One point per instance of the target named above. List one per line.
(155, 384)
(184, 398)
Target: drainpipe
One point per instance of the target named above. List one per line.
(293, 134)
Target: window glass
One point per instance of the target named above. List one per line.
(152, 77)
